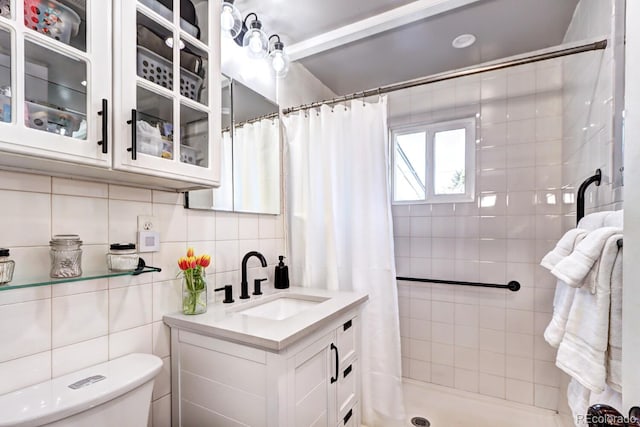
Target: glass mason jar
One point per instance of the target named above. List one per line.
(6, 267)
(194, 292)
(122, 257)
(66, 256)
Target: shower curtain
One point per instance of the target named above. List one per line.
(256, 170)
(340, 233)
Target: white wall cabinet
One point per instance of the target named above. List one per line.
(73, 73)
(313, 383)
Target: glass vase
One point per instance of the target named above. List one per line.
(194, 292)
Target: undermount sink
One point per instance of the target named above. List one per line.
(280, 306)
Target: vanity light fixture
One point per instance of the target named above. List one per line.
(230, 19)
(279, 59)
(255, 40)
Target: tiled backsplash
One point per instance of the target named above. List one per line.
(49, 331)
(486, 340)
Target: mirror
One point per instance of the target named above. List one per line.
(250, 155)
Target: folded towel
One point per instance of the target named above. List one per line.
(581, 354)
(562, 303)
(594, 220)
(614, 352)
(563, 248)
(580, 398)
(614, 219)
(573, 269)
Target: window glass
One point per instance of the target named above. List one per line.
(410, 166)
(449, 162)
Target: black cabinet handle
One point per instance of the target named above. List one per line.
(346, 326)
(347, 371)
(348, 416)
(104, 142)
(134, 135)
(335, 378)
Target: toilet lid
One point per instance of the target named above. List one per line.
(79, 391)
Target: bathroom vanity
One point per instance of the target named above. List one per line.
(285, 359)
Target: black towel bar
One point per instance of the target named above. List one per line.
(513, 285)
(597, 178)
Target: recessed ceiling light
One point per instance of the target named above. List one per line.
(463, 40)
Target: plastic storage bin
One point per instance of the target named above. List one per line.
(167, 14)
(189, 154)
(158, 70)
(52, 120)
(52, 19)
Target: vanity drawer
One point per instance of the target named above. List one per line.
(347, 335)
(351, 418)
(347, 390)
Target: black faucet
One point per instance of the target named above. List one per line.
(244, 285)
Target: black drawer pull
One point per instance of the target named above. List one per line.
(347, 371)
(335, 379)
(348, 416)
(134, 135)
(104, 142)
(346, 326)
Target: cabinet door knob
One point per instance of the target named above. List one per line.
(104, 142)
(335, 378)
(134, 134)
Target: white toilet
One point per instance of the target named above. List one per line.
(114, 393)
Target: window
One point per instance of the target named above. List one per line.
(434, 163)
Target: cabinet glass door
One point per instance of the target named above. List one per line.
(5, 73)
(61, 55)
(173, 102)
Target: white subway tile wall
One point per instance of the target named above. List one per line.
(483, 340)
(533, 152)
(53, 330)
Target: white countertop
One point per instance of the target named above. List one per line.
(224, 322)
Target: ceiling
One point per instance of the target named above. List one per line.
(503, 28)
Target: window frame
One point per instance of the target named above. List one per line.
(468, 123)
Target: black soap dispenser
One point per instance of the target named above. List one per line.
(281, 278)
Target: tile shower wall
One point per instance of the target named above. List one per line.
(49, 331)
(487, 341)
(588, 106)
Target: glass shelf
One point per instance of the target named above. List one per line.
(93, 275)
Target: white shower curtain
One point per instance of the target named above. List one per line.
(340, 233)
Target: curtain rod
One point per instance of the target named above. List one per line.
(273, 115)
(491, 66)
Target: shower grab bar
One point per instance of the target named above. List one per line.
(513, 285)
(597, 178)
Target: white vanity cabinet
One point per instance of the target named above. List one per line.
(167, 81)
(55, 80)
(87, 90)
(313, 382)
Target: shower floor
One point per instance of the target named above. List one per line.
(445, 407)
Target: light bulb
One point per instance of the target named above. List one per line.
(255, 42)
(230, 20)
(226, 18)
(278, 62)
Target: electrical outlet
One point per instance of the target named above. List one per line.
(147, 223)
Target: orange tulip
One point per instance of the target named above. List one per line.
(183, 263)
(189, 252)
(192, 262)
(204, 261)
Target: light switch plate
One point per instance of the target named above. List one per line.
(148, 241)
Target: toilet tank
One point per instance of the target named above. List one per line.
(114, 393)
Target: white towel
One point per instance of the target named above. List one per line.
(563, 248)
(594, 220)
(573, 269)
(580, 398)
(614, 219)
(562, 303)
(581, 353)
(614, 352)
